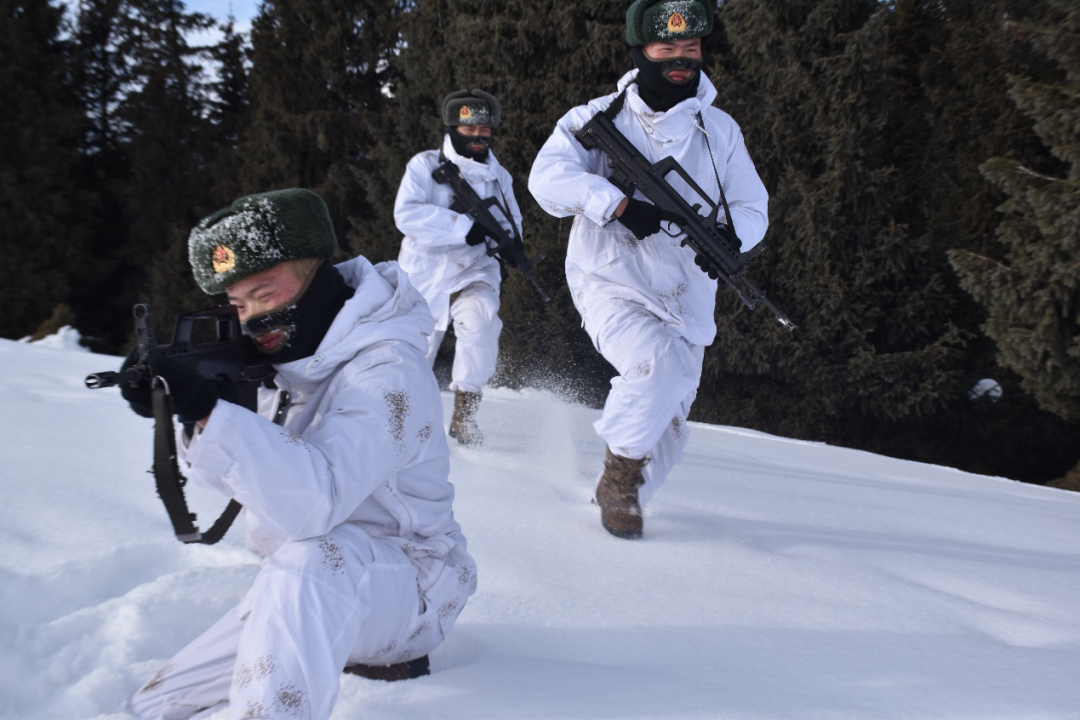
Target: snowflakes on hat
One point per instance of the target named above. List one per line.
(676, 19)
(474, 115)
(250, 237)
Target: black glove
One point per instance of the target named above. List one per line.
(703, 262)
(476, 235)
(730, 239)
(728, 236)
(193, 396)
(457, 207)
(138, 396)
(643, 219)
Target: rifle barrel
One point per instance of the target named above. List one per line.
(99, 380)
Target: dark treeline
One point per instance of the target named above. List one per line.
(923, 160)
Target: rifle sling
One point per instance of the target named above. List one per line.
(170, 483)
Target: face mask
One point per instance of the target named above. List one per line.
(304, 321)
(655, 89)
(283, 320)
(461, 144)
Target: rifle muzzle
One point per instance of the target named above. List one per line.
(112, 379)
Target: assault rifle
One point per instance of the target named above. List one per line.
(507, 246)
(229, 357)
(630, 170)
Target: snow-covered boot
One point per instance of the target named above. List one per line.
(617, 496)
(463, 424)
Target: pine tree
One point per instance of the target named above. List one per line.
(229, 112)
(848, 256)
(148, 146)
(962, 52)
(1032, 293)
(318, 70)
(41, 207)
(166, 137)
(226, 107)
(100, 74)
(864, 120)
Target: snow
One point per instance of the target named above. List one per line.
(66, 338)
(986, 388)
(776, 579)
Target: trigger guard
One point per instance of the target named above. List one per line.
(672, 234)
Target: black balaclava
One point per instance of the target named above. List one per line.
(657, 91)
(461, 145)
(306, 319)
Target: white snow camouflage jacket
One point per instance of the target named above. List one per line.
(362, 442)
(604, 260)
(434, 251)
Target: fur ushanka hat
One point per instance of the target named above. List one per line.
(256, 233)
(655, 20)
(471, 107)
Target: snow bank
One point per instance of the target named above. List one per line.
(776, 579)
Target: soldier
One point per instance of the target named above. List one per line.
(644, 303)
(445, 252)
(346, 494)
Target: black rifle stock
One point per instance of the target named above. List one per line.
(229, 357)
(630, 169)
(507, 247)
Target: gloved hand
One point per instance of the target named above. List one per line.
(457, 207)
(138, 396)
(643, 219)
(193, 396)
(729, 237)
(476, 235)
(703, 262)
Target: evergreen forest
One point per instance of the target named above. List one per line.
(923, 162)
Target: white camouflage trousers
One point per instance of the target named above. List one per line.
(475, 314)
(317, 605)
(649, 401)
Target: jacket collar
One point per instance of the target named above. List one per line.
(673, 124)
(472, 170)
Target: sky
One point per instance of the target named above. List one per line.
(242, 10)
(776, 579)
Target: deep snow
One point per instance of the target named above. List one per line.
(776, 579)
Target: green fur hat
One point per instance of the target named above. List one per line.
(655, 20)
(471, 107)
(256, 233)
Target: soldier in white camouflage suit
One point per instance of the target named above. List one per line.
(346, 495)
(646, 305)
(445, 252)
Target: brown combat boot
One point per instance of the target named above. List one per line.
(617, 496)
(463, 424)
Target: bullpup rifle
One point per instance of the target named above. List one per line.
(228, 357)
(630, 169)
(501, 244)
